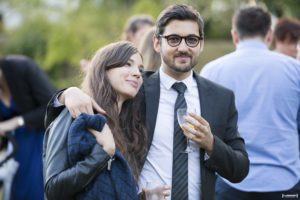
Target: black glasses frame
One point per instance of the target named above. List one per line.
(167, 37)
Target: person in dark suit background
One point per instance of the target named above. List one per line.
(218, 148)
(25, 91)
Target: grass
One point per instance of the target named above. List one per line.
(214, 49)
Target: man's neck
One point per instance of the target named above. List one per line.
(257, 38)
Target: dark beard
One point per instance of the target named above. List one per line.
(171, 64)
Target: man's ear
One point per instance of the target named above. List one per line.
(235, 37)
(201, 45)
(156, 44)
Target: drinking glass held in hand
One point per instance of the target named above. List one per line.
(156, 191)
(181, 112)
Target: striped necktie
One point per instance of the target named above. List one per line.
(180, 159)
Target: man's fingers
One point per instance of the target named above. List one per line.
(199, 119)
(77, 112)
(97, 107)
(89, 110)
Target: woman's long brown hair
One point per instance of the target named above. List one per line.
(127, 127)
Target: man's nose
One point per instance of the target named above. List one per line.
(182, 46)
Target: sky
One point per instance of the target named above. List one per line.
(13, 19)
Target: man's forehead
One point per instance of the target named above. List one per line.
(182, 27)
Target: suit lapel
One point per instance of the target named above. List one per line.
(205, 95)
(152, 92)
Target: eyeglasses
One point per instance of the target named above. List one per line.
(175, 40)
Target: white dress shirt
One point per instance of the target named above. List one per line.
(159, 161)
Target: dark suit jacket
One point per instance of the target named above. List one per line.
(30, 88)
(229, 158)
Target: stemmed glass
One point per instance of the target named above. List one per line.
(184, 112)
(155, 191)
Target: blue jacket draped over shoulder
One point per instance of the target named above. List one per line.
(116, 183)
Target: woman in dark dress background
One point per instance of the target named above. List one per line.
(24, 93)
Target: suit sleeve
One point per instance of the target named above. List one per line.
(41, 91)
(229, 157)
(52, 111)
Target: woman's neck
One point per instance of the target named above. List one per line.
(120, 103)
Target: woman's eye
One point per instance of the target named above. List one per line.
(128, 64)
(141, 70)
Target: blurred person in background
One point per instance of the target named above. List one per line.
(287, 41)
(266, 85)
(135, 28)
(287, 36)
(151, 58)
(25, 92)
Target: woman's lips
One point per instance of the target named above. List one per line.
(133, 83)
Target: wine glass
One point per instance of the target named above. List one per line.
(180, 113)
(155, 191)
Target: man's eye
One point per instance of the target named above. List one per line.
(173, 39)
(192, 39)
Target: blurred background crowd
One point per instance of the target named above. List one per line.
(57, 34)
(61, 36)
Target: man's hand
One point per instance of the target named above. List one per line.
(200, 134)
(8, 125)
(106, 139)
(79, 102)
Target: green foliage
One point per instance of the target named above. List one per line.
(150, 7)
(30, 39)
(58, 37)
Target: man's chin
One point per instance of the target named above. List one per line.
(182, 68)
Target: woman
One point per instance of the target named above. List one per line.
(113, 80)
(25, 92)
(151, 58)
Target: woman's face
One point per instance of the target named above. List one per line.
(127, 80)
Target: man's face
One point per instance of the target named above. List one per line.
(179, 61)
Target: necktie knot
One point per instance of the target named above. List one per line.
(180, 87)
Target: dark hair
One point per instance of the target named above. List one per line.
(251, 22)
(179, 12)
(135, 22)
(287, 29)
(151, 58)
(127, 127)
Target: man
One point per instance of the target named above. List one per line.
(287, 36)
(266, 85)
(218, 148)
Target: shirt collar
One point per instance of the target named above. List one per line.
(167, 81)
(252, 44)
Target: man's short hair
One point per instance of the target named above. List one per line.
(178, 12)
(287, 29)
(251, 22)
